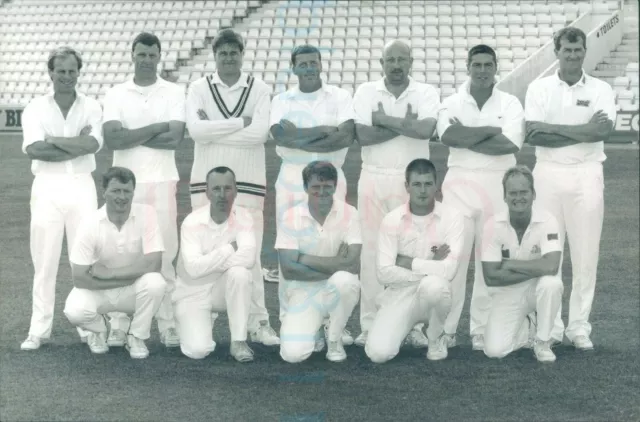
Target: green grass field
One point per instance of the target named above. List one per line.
(64, 381)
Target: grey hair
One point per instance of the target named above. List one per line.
(62, 52)
(518, 170)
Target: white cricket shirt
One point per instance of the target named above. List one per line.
(398, 152)
(500, 240)
(222, 140)
(501, 110)
(135, 107)
(404, 233)
(42, 117)
(99, 240)
(205, 246)
(300, 231)
(330, 106)
(552, 100)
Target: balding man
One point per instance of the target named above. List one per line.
(395, 118)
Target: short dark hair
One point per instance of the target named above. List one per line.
(62, 52)
(220, 170)
(147, 39)
(481, 49)
(122, 174)
(304, 49)
(420, 166)
(519, 169)
(570, 34)
(227, 36)
(323, 170)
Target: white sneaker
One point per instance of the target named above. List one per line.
(271, 276)
(136, 347)
(477, 342)
(170, 338)
(97, 343)
(450, 340)
(117, 338)
(265, 335)
(542, 351)
(335, 352)
(582, 342)
(361, 340)
(347, 339)
(241, 351)
(31, 343)
(417, 339)
(438, 351)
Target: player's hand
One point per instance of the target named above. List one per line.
(342, 252)
(454, 121)
(246, 120)
(328, 130)
(378, 115)
(202, 114)
(288, 126)
(410, 115)
(349, 265)
(441, 252)
(100, 271)
(534, 128)
(234, 245)
(404, 261)
(85, 130)
(599, 117)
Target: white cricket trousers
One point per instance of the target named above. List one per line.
(231, 292)
(428, 301)
(59, 203)
(162, 197)
(507, 328)
(574, 194)
(307, 304)
(290, 192)
(258, 307)
(380, 191)
(478, 194)
(85, 308)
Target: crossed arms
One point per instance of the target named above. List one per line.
(298, 266)
(57, 148)
(317, 139)
(162, 135)
(513, 271)
(385, 127)
(549, 135)
(99, 277)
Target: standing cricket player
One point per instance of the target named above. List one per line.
(568, 116)
(61, 133)
(520, 259)
(144, 121)
(217, 253)
(418, 248)
(484, 128)
(319, 246)
(310, 122)
(228, 119)
(395, 118)
(116, 261)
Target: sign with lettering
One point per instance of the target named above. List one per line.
(11, 119)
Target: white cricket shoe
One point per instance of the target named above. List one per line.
(450, 340)
(417, 339)
(241, 351)
(136, 347)
(542, 351)
(97, 343)
(335, 352)
(347, 339)
(361, 340)
(170, 338)
(265, 335)
(477, 342)
(117, 338)
(31, 343)
(582, 342)
(438, 351)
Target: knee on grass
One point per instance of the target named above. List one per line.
(152, 283)
(295, 351)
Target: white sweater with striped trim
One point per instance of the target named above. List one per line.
(224, 141)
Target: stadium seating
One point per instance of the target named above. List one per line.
(350, 33)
